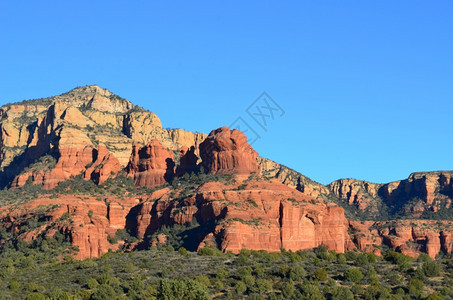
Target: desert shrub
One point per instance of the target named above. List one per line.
(249, 280)
(204, 280)
(341, 259)
(357, 289)
(372, 292)
(293, 257)
(183, 251)
(240, 287)
(14, 285)
(263, 285)
(103, 292)
(351, 256)
(397, 258)
(361, 260)
(297, 273)
(311, 291)
(436, 296)
(415, 287)
(353, 275)
(320, 275)
(431, 268)
(36, 296)
(342, 293)
(423, 257)
(182, 289)
(222, 273)
(288, 290)
(241, 260)
(209, 251)
(59, 294)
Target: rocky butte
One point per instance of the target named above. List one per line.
(104, 173)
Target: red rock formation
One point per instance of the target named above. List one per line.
(264, 215)
(105, 165)
(90, 221)
(425, 191)
(72, 162)
(188, 161)
(226, 151)
(151, 165)
(358, 193)
(408, 237)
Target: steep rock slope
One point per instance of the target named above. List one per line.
(423, 195)
(69, 126)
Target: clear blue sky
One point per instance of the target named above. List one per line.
(366, 85)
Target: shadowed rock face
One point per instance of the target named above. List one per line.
(151, 165)
(187, 161)
(226, 151)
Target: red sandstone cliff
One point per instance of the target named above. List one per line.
(151, 165)
(226, 151)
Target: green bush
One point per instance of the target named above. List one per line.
(182, 289)
(241, 260)
(183, 251)
(288, 290)
(103, 292)
(297, 273)
(357, 289)
(341, 259)
(249, 280)
(311, 291)
(397, 258)
(435, 296)
(353, 275)
(263, 285)
(14, 285)
(240, 287)
(93, 283)
(36, 296)
(342, 293)
(320, 275)
(209, 251)
(431, 268)
(415, 287)
(222, 273)
(204, 280)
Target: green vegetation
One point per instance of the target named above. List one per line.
(43, 270)
(120, 186)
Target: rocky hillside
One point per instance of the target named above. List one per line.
(103, 172)
(425, 195)
(50, 140)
